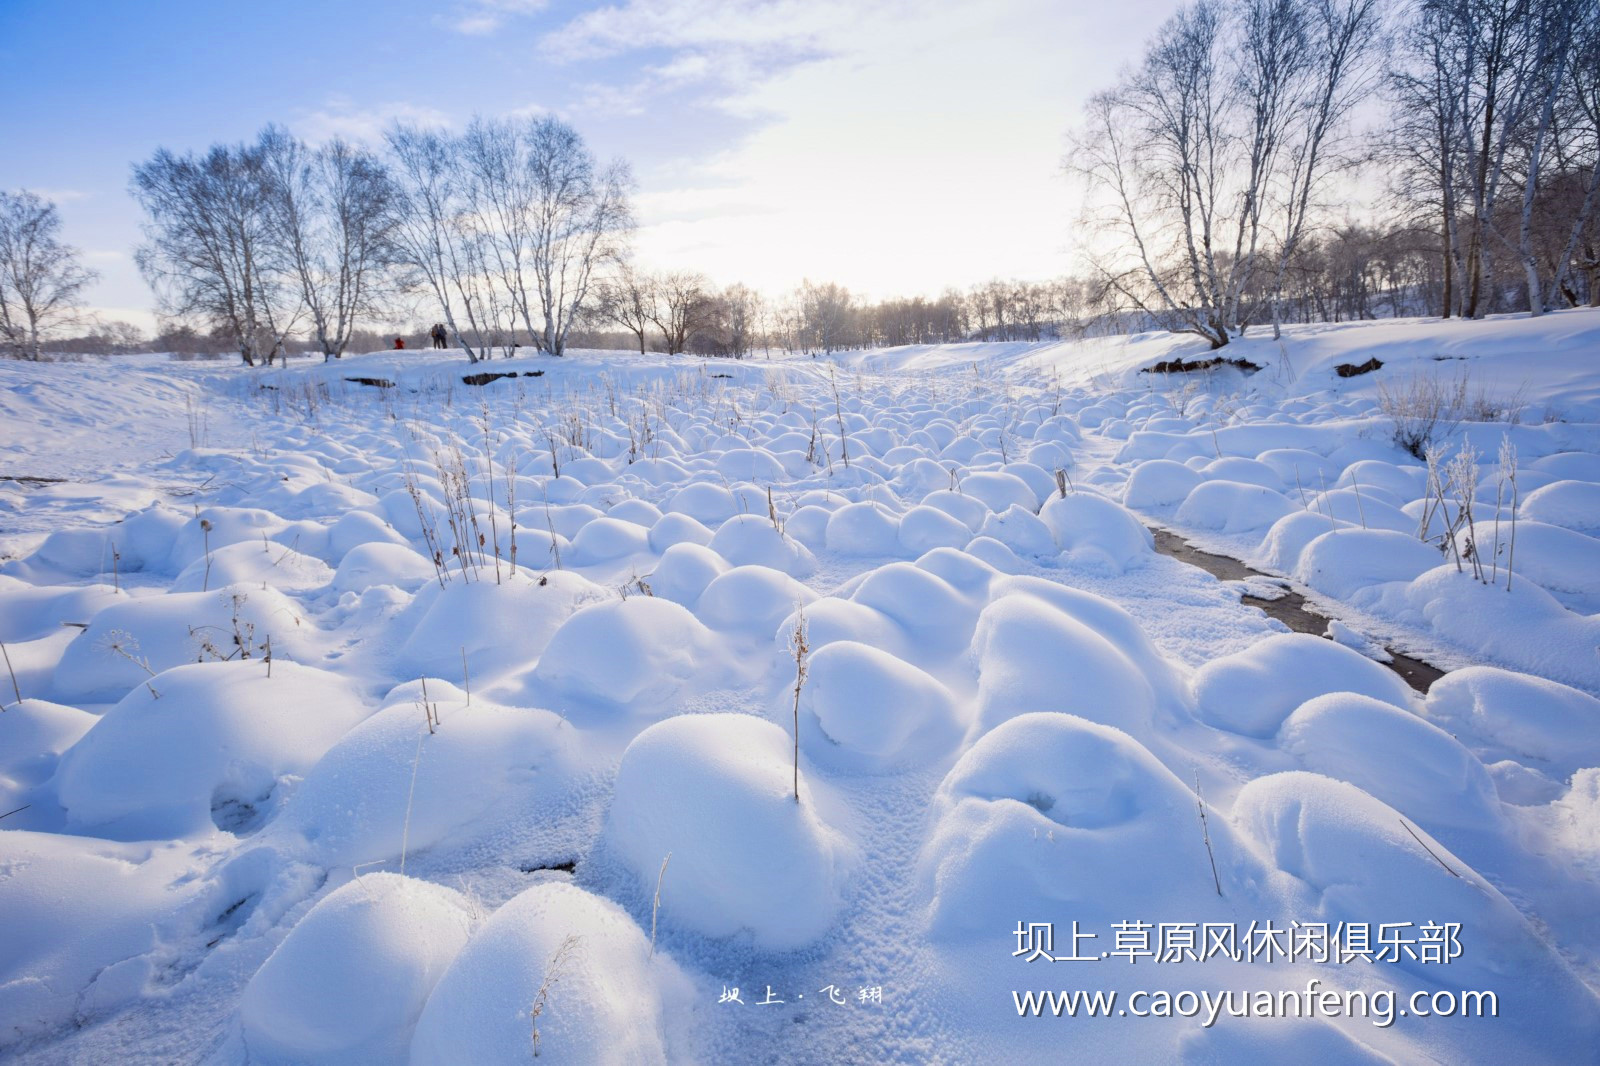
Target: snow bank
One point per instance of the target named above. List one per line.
(716, 792)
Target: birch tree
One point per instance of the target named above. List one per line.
(209, 248)
(331, 210)
(41, 279)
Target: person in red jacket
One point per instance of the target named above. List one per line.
(399, 343)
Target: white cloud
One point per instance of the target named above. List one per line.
(60, 196)
(487, 16)
(895, 149)
(340, 117)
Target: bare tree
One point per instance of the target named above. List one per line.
(680, 307)
(825, 312)
(331, 210)
(436, 240)
(581, 217)
(629, 300)
(743, 309)
(209, 247)
(1338, 39)
(40, 277)
(1158, 151)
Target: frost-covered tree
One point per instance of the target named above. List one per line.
(41, 279)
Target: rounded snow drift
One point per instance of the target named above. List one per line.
(717, 792)
(351, 978)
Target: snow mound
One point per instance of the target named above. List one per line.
(1358, 858)
(1000, 491)
(350, 979)
(500, 625)
(752, 599)
(1502, 714)
(864, 528)
(707, 503)
(751, 540)
(1345, 562)
(684, 572)
(1574, 504)
(209, 753)
(1053, 814)
(33, 613)
(1252, 691)
(870, 711)
(922, 529)
(967, 510)
(1232, 507)
(130, 640)
(353, 806)
(370, 565)
(637, 651)
(1524, 628)
(716, 792)
(938, 617)
(1097, 533)
(1033, 656)
(254, 563)
(677, 529)
(1414, 767)
(601, 996)
(33, 734)
(605, 539)
(81, 918)
(1159, 483)
(1020, 530)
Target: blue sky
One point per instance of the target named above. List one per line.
(895, 147)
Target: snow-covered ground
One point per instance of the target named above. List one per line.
(419, 720)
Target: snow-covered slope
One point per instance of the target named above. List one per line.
(371, 713)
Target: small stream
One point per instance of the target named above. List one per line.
(1290, 608)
